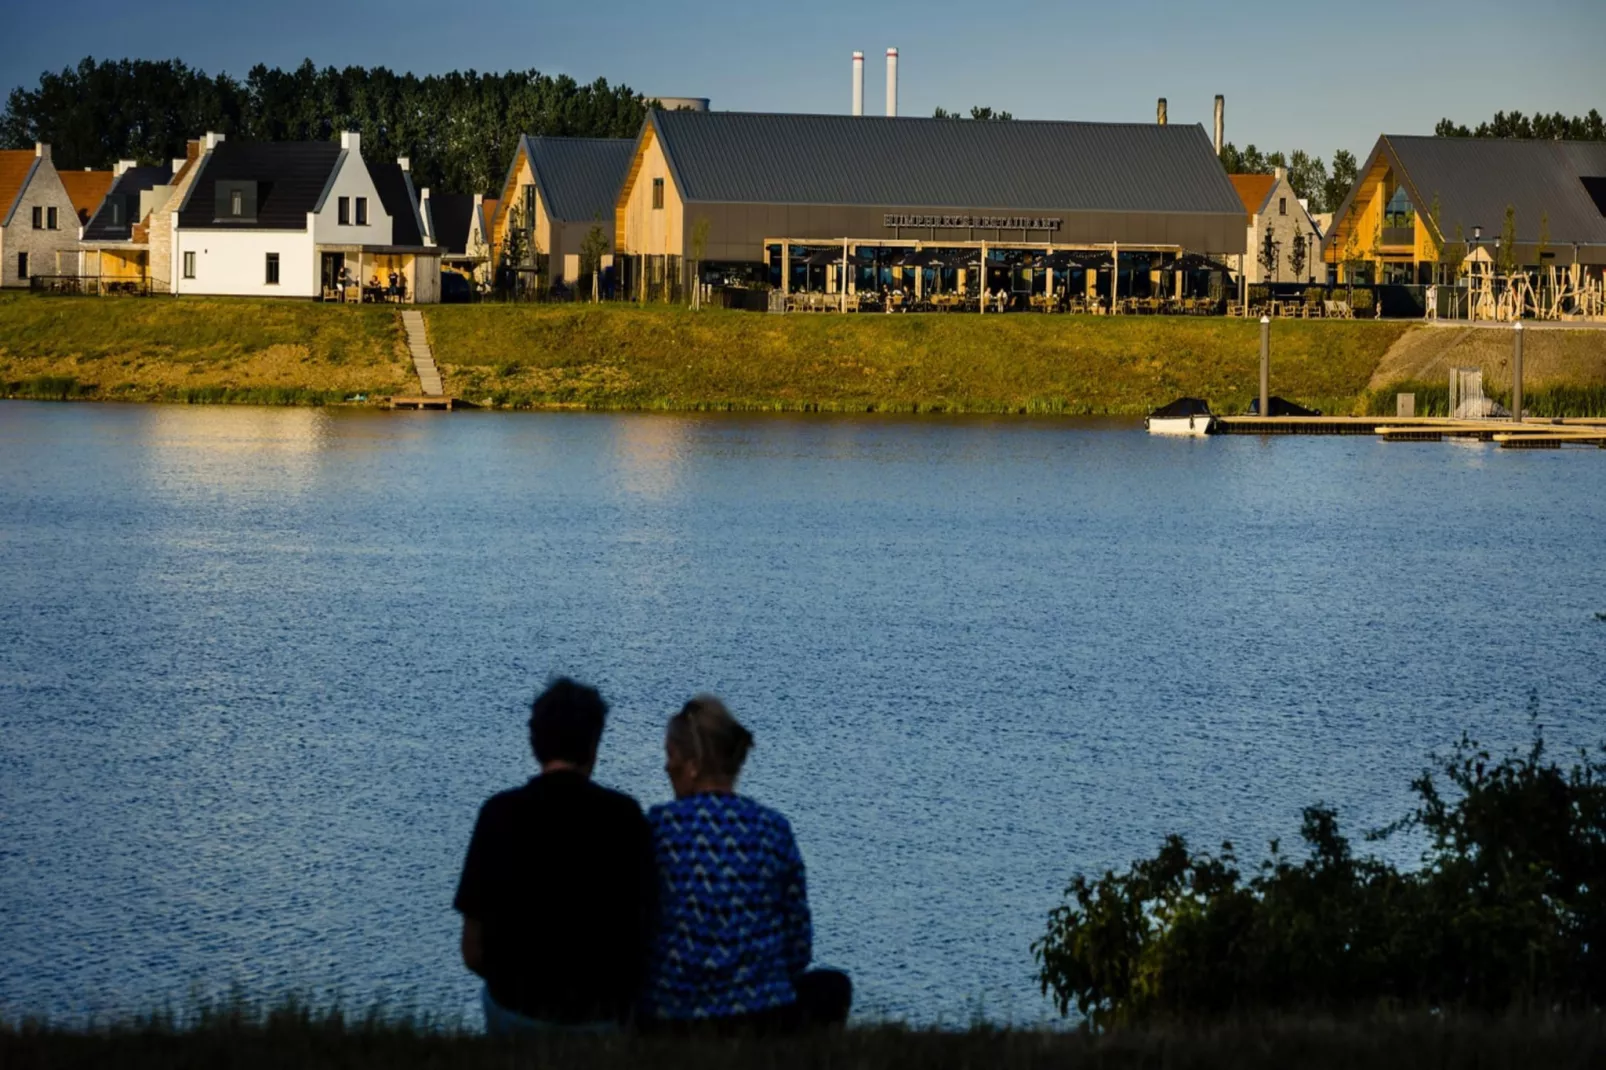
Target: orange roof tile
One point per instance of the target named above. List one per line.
(86, 189)
(14, 166)
(1253, 190)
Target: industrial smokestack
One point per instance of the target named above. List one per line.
(1159, 112)
(1221, 118)
(892, 82)
(858, 83)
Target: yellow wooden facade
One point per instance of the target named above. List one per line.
(640, 228)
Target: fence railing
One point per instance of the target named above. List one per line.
(89, 286)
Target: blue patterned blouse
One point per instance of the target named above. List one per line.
(733, 909)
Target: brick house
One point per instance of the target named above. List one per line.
(38, 219)
(1272, 207)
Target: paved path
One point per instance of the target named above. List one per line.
(429, 376)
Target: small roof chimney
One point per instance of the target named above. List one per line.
(41, 149)
(1221, 117)
(351, 141)
(212, 141)
(1159, 112)
(404, 163)
(122, 167)
(858, 83)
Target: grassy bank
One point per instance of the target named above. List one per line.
(624, 357)
(663, 358)
(200, 350)
(298, 1039)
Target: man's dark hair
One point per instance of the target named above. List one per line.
(566, 722)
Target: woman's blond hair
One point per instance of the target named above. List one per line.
(705, 732)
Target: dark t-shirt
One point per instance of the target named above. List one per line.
(560, 876)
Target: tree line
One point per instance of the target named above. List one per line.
(459, 130)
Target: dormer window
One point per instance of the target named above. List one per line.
(117, 214)
(236, 201)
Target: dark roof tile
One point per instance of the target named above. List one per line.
(290, 175)
(124, 193)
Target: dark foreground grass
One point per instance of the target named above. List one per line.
(671, 358)
(296, 1037)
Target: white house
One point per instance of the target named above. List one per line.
(300, 219)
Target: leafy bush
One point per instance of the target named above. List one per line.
(1507, 912)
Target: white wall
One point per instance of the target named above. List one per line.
(352, 181)
(234, 263)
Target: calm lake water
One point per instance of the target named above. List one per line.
(258, 668)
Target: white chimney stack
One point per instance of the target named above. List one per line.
(41, 150)
(404, 163)
(892, 82)
(1221, 117)
(1159, 112)
(351, 141)
(858, 83)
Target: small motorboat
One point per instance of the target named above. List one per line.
(1184, 416)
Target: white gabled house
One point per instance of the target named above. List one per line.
(300, 219)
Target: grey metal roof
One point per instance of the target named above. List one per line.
(290, 178)
(579, 177)
(1015, 165)
(1475, 179)
(124, 193)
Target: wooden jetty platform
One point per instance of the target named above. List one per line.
(1301, 425)
(424, 401)
(1530, 434)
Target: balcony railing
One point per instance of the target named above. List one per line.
(1395, 237)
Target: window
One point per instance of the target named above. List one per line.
(38, 218)
(657, 193)
(117, 213)
(345, 211)
(22, 263)
(236, 202)
(273, 269)
(1282, 205)
(362, 211)
(189, 265)
(51, 218)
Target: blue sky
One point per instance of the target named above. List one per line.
(1319, 77)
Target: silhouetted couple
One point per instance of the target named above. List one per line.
(580, 912)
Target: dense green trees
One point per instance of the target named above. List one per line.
(1556, 127)
(1507, 912)
(458, 129)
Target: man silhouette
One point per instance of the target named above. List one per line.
(557, 891)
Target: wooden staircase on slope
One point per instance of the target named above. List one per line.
(432, 392)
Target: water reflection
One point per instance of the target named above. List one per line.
(259, 667)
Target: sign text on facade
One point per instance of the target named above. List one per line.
(967, 222)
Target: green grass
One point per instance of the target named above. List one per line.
(295, 1036)
(203, 350)
(670, 358)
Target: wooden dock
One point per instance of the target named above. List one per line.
(444, 402)
(1530, 434)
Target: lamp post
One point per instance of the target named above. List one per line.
(1477, 243)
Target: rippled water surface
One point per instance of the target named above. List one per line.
(258, 667)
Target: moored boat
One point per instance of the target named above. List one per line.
(1184, 416)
